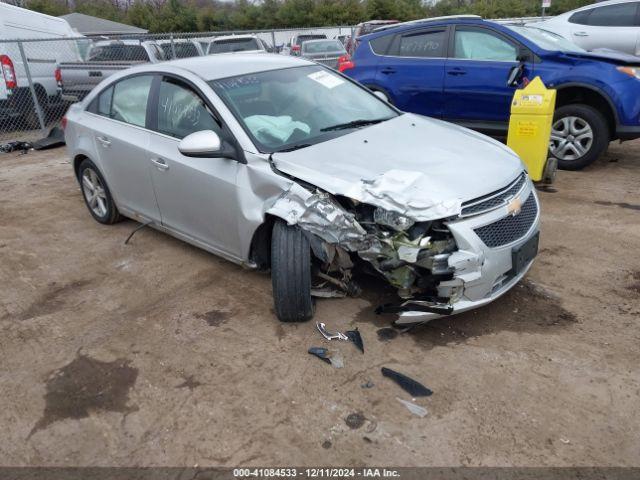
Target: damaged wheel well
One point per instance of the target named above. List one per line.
(78, 159)
(260, 252)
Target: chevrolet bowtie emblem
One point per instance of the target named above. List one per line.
(514, 206)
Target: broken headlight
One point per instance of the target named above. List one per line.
(395, 220)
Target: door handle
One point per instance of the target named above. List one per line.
(388, 71)
(160, 163)
(104, 141)
(581, 34)
(455, 73)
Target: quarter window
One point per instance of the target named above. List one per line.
(422, 44)
(130, 98)
(474, 44)
(181, 111)
(104, 102)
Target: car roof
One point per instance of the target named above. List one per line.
(448, 20)
(599, 4)
(236, 37)
(223, 65)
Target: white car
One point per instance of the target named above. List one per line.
(614, 24)
(285, 165)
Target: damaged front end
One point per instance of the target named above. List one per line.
(413, 256)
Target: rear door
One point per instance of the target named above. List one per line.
(476, 73)
(197, 196)
(609, 26)
(122, 139)
(411, 69)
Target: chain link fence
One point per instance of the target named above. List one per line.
(40, 78)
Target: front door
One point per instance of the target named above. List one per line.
(122, 141)
(197, 196)
(412, 71)
(476, 75)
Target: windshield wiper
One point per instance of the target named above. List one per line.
(353, 124)
(298, 146)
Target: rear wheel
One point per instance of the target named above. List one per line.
(579, 136)
(96, 194)
(291, 273)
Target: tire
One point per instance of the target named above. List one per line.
(291, 273)
(578, 150)
(100, 204)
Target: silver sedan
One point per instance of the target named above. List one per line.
(285, 165)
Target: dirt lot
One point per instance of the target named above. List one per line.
(156, 353)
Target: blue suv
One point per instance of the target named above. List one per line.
(465, 70)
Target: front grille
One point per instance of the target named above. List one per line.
(495, 199)
(511, 228)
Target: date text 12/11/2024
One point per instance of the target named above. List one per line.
(315, 473)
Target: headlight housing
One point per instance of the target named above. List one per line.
(395, 220)
(631, 71)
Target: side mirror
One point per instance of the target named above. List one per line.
(205, 144)
(515, 75)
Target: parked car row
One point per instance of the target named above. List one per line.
(465, 70)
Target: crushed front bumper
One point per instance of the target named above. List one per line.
(495, 250)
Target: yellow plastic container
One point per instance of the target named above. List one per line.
(530, 128)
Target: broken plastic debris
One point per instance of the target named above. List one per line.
(368, 384)
(413, 408)
(356, 338)
(409, 385)
(329, 336)
(323, 354)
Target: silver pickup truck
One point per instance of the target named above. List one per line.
(77, 79)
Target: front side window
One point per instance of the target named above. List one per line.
(430, 44)
(181, 111)
(130, 97)
(620, 15)
(291, 107)
(476, 44)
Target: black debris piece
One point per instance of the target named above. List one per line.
(16, 146)
(326, 444)
(356, 338)
(321, 353)
(355, 420)
(54, 139)
(409, 385)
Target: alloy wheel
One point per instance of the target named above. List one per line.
(571, 138)
(94, 192)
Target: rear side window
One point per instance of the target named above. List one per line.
(477, 44)
(422, 44)
(181, 111)
(130, 97)
(619, 15)
(380, 45)
(104, 102)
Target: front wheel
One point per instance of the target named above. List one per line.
(291, 273)
(579, 136)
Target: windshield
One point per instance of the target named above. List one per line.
(545, 39)
(296, 107)
(328, 46)
(234, 45)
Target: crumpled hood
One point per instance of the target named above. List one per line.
(418, 166)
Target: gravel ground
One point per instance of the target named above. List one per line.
(157, 353)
